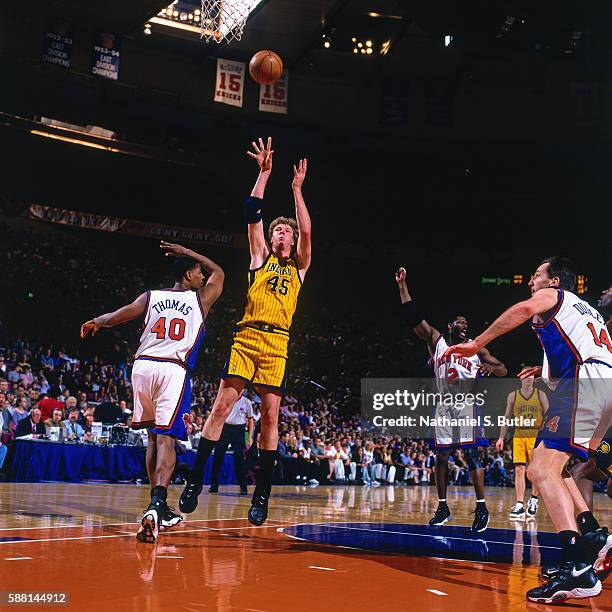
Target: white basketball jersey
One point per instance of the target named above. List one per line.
(448, 368)
(573, 333)
(173, 327)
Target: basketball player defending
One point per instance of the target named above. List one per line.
(173, 329)
(578, 365)
(258, 353)
(529, 404)
(444, 369)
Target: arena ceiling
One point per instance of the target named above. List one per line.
(329, 31)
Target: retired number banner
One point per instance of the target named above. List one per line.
(229, 88)
(273, 98)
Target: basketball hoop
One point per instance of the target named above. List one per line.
(224, 20)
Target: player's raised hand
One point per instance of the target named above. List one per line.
(465, 349)
(173, 250)
(89, 327)
(535, 371)
(400, 276)
(262, 154)
(299, 173)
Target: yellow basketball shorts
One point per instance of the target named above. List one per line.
(258, 356)
(522, 448)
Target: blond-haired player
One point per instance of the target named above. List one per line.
(529, 404)
(258, 353)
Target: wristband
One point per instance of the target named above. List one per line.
(411, 313)
(252, 210)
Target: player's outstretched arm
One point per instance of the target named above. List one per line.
(126, 313)
(421, 327)
(213, 288)
(254, 204)
(541, 302)
(490, 364)
(302, 217)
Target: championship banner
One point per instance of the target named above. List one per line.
(159, 231)
(106, 55)
(273, 98)
(229, 88)
(57, 46)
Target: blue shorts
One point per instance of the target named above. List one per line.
(577, 406)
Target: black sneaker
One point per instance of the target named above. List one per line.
(441, 516)
(169, 519)
(213, 489)
(244, 491)
(550, 572)
(188, 501)
(258, 512)
(575, 580)
(599, 546)
(517, 512)
(481, 520)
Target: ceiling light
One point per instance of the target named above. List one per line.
(327, 44)
(368, 43)
(369, 51)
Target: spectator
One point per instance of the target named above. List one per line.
(31, 426)
(55, 420)
(75, 431)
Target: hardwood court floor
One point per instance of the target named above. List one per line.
(323, 548)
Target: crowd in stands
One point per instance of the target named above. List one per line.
(49, 378)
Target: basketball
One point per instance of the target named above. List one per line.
(266, 67)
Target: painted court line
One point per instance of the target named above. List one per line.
(436, 592)
(111, 524)
(17, 558)
(327, 569)
(167, 557)
(421, 535)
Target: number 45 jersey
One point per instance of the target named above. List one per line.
(173, 327)
(272, 294)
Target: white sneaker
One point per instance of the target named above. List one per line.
(532, 507)
(149, 527)
(517, 512)
(313, 482)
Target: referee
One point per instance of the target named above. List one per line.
(240, 419)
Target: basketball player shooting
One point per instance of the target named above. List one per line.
(173, 330)
(578, 366)
(481, 362)
(258, 353)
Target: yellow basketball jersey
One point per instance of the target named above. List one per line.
(272, 294)
(530, 408)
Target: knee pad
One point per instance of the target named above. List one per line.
(472, 459)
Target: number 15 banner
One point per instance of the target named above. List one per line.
(229, 88)
(273, 98)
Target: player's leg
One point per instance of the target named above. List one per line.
(477, 472)
(442, 514)
(268, 445)
(151, 458)
(230, 390)
(218, 457)
(575, 577)
(517, 511)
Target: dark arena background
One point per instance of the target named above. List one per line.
(464, 141)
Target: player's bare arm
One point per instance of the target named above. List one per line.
(491, 365)
(302, 217)
(126, 313)
(421, 328)
(541, 302)
(499, 444)
(258, 246)
(213, 288)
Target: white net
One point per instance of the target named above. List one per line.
(224, 20)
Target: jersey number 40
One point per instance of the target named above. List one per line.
(176, 329)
